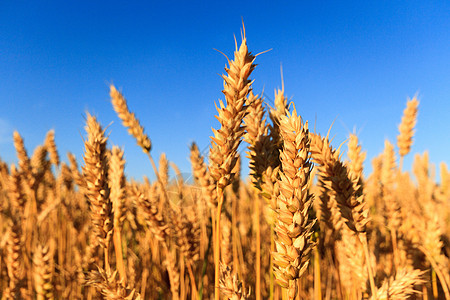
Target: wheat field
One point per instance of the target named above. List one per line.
(307, 223)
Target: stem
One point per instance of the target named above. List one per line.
(441, 276)
(145, 274)
(182, 284)
(217, 244)
(234, 235)
(192, 279)
(434, 283)
(107, 266)
(335, 264)
(117, 239)
(272, 249)
(258, 247)
(284, 294)
(317, 282)
(395, 247)
(373, 287)
(424, 292)
(205, 264)
(241, 259)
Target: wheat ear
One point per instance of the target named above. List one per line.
(22, 155)
(230, 286)
(401, 287)
(129, 120)
(51, 147)
(406, 128)
(14, 260)
(294, 227)
(95, 172)
(203, 177)
(356, 156)
(15, 192)
(43, 273)
(346, 189)
(110, 287)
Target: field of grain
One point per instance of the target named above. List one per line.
(306, 224)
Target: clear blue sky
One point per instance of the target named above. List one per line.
(353, 61)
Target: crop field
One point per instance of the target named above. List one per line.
(306, 223)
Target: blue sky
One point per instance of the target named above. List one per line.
(355, 62)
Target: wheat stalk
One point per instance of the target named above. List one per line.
(224, 143)
(392, 207)
(117, 182)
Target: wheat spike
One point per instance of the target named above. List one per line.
(14, 260)
(77, 177)
(230, 286)
(174, 273)
(163, 171)
(388, 170)
(129, 120)
(188, 235)
(43, 273)
(24, 159)
(355, 156)
(281, 107)
(260, 149)
(110, 286)
(401, 287)
(203, 177)
(153, 216)
(51, 147)
(117, 186)
(226, 140)
(15, 191)
(293, 229)
(95, 172)
(345, 189)
(406, 127)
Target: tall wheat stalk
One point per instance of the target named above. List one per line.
(224, 144)
(117, 183)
